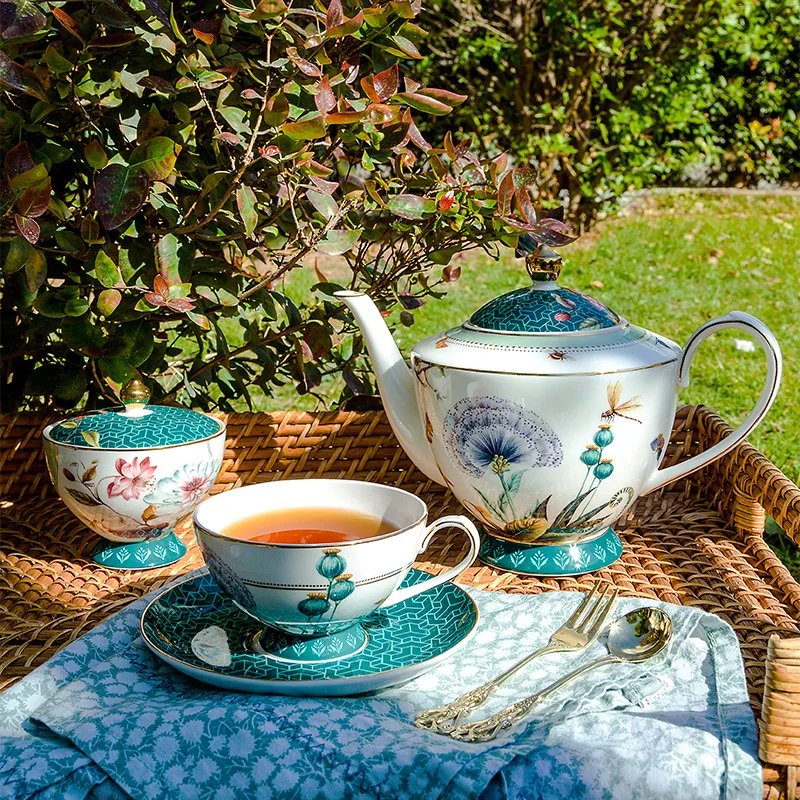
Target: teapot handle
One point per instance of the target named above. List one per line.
(737, 320)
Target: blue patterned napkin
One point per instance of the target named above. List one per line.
(105, 719)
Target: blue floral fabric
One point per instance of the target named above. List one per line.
(105, 719)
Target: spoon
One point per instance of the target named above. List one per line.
(636, 636)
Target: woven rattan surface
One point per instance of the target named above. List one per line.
(698, 542)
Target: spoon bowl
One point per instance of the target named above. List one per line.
(639, 634)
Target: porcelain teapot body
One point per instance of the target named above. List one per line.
(546, 415)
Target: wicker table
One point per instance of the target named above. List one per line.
(699, 542)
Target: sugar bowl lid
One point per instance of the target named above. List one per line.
(135, 425)
(543, 307)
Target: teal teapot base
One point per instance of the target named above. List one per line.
(551, 560)
(149, 554)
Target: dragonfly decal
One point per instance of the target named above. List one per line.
(620, 409)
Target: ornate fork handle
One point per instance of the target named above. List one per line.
(447, 718)
(485, 730)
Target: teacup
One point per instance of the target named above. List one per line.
(312, 597)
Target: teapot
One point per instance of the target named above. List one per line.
(546, 414)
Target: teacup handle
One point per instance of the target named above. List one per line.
(764, 336)
(435, 580)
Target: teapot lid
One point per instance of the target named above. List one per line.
(543, 307)
(134, 425)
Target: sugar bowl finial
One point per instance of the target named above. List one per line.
(543, 264)
(134, 397)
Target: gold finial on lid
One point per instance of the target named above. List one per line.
(543, 264)
(134, 395)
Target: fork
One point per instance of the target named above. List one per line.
(577, 633)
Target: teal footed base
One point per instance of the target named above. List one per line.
(553, 560)
(149, 554)
(311, 650)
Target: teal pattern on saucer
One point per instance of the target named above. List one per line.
(313, 649)
(544, 311)
(148, 554)
(110, 429)
(551, 559)
(411, 632)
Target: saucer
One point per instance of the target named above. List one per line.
(199, 631)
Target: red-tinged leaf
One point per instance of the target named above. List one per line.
(207, 29)
(326, 187)
(386, 83)
(156, 157)
(306, 67)
(19, 78)
(500, 165)
(154, 299)
(324, 99)
(553, 232)
(34, 200)
(450, 273)
(201, 320)
(525, 204)
(267, 9)
(69, 24)
(90, 230)
(250, 94)
(18, 160)
(320, 170)
(354, 384)
(114, 40)
(229, 138)
(525, 177)
(410, 301)
(411, 206)
(405, 46)
(381, 113)
(350, 68)
(423, 103)
(369, 89)
(276, 110)
(335, 15)
(158, 84)
(505, 194)
(246, 203)
(106, 271)
(158, 9)
(270, 151)
(161, 287)
(348, 27)
(29, 228)
(95, 155)
(312, 127)
(443, 96)
(446, 200)
(107, 301)
(318, 340)
(323, 203)
(20, 18)
(403, 9)
(36, 270)
(182, 304)
(344, 117)
(119, 192)
(410, 85)
(407, 318)
(414, 134)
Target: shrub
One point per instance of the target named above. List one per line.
(167, 168)
(614, 96)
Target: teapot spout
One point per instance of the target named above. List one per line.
(396, 382)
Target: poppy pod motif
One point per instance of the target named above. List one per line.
(314, 606)
(331, 564)
(332, 567)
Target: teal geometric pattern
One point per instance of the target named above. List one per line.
(551, 559)
(544, 311)
(164, 425)
(148, 554)
(408, 633)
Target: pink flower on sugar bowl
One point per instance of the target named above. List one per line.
(135, 477)
(562, 316)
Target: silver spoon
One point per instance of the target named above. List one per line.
(637, 636)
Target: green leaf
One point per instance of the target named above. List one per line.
(50, 305)
(56, 61)
(246, 203)
(81, 497)
(76, 308)
(156, 157)
(267, 9)
(411, 206)
(423, 103)
(30, 177)
(323, 203)
(106, 270)
(167, 258)
(563, 519)
(119, 192)
(95, 155)
(107, 301)
(36, 270)
(18, 253)
(92, 438)
(514, 482)
(338, 241)
(312, 127)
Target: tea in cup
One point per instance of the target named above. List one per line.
(313, 558)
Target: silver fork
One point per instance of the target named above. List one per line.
(577, 633)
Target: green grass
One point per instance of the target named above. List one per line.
(671, 265)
